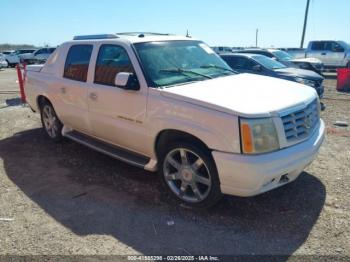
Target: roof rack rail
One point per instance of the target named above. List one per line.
(142, 34)
(91, 37)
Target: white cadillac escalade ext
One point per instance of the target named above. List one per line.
(169, 103)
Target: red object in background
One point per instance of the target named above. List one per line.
(343, 79)
(21, 82)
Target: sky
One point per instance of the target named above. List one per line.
(224, 22)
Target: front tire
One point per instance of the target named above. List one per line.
(188, 171)
(51, 124)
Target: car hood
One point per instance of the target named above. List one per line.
(310, 60)
(297, 72)
(244, 95)
(26, 55)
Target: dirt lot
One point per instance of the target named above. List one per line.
(67, 199)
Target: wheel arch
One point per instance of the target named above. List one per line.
(171, 135)
(40, 100)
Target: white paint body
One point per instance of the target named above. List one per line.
(208, 110)
(3, 62)
(12, 58)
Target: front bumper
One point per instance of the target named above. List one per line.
(249, 175)
(320, 91)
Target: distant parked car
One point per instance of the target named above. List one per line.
(40, 56)
(263, 65)
(221, 49)
(11, 58)
(24, 54)
(3, 62)
(312, 64)
(333, 54)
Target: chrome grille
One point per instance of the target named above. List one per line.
(300, 124)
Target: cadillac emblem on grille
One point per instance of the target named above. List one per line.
(308, 122)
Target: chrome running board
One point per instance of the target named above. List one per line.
(110, 150)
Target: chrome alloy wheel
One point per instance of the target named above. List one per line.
(187, 175)
(50, 121)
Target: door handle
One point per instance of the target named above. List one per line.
(93, 96)
(63, 90)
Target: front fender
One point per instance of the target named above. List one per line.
(217, 130)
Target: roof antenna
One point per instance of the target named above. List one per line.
(187, 34)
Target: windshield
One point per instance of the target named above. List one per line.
(268, 62)
(344, 44)
(19, 52)
(281, 55)
(177, 62)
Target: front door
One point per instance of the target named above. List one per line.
(335, 54)
(117, 115)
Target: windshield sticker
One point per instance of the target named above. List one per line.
(206, 48)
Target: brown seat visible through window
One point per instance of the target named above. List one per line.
(112, 59)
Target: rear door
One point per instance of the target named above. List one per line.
(318, 50)
(72, 88)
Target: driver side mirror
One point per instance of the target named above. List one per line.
(257, 68)
(127, 81)
(338, 49)
(304, 66)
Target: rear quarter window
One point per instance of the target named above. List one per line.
(77, 62)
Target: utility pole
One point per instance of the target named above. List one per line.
(305, 22)
(256, 37)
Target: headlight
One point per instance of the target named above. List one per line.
(305, 81)
(258, 135)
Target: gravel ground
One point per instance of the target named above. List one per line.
(67, 199)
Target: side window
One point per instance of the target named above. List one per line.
(111, 60)
(248, 64)
(318, 46)
(268, 54)
(334, 47)
(40, 51)
(239, 63)
(232, 61)
(77, 62)
(328, 46)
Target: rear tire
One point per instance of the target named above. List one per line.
(50, 121)
(189, 173)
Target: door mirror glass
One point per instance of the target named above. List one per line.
(127, 81)
(257, 68)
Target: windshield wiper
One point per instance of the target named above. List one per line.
(183, 72)
(219, 67)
